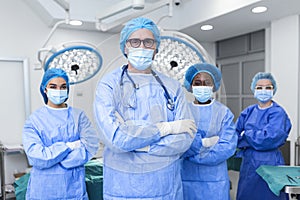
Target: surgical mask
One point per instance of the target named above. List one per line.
(203, 93)
(57, 96)
(263, 95)
(140, 58)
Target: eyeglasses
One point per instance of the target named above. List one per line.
(268, 87)
(203, 83)
(135, 42)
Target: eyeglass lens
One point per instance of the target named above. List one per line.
(135, 42)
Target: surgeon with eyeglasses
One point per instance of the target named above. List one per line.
(144, 121)
(262, 129)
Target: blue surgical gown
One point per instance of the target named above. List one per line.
(57, 171)
(264, 131)
(129, 173)
(204, 169)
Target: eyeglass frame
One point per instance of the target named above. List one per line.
(140, 42)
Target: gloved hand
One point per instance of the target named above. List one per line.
(211, 141)
(177, 127)
(74, 145)
(242, 133)
(144, 149)
(119, 118)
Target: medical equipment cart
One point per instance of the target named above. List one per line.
(7, 191)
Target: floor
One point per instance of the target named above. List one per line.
(234, 177)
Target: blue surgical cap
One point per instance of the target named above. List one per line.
(50, 74)
(134, 25)
(263, 75)
(195, 69)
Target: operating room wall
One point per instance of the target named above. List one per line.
(283, 61)
(23, 33)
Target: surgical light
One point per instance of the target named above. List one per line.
(80, 62)
(177, 52)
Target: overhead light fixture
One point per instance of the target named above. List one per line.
(138, 4)
(259, 9)
(125, 10)
(206, 27)
(75, 22)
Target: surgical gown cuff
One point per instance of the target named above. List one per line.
(195, 148)
(75, 158)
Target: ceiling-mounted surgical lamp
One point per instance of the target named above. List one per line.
(80, 60)
(177, 52)
(126, 10)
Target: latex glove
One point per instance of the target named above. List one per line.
(144, 149)
(74, 145)
(242, 133)
(177, 127)
(119, 118)
(211, 141)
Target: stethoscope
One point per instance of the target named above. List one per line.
(170, 102)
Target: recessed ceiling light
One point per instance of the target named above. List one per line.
(206, 27)
(259, 9)
(75, 22)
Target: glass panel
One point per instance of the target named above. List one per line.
(232, 47)
(257, 41)
(233, 104)
(249, 69)
(247, 101)
(230, 73)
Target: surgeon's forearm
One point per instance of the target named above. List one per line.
(45, 157)
(76, 158)
(171, 145)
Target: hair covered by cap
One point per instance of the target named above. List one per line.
(263, 75)
(195, 69)
(50, 74)
(136, 24)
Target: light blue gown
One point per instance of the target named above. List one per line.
(129, 173)
(265, 130)
(57, 171)
(204, 169)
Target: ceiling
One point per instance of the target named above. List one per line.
(229, 18)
